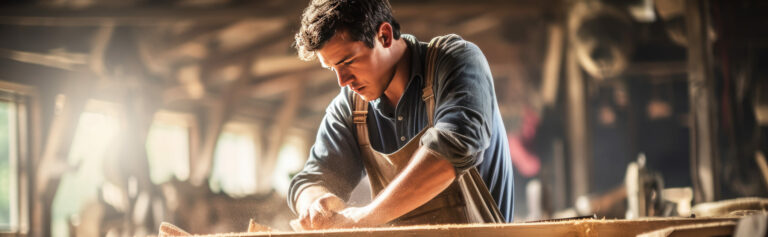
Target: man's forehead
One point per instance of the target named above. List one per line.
(338, 47)
(321, 58)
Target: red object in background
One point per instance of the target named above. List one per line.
(527, 163)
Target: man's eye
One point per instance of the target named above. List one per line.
(349, 62)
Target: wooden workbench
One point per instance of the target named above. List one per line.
(716, 226)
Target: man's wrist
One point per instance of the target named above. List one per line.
(360, 217)
(370, 217)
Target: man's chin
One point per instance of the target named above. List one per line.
(368, 97)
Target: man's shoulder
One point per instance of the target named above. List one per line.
(454, 46)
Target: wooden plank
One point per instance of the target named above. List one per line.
(700, 230)
(564, 228)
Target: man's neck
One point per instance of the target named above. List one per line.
(402, 72)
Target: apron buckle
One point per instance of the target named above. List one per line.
(359, 116)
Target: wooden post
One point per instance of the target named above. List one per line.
(218, 115)
(276, 136)
(578, 139)
(703, 110)
(550, 76)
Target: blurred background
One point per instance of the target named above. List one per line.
(116, 116)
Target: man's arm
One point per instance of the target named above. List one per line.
(425, 176)
(332, 169)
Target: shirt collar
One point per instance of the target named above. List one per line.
(417, 72)
(417, 56)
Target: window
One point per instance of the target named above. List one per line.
(168, 146)
(14, 154)
(8, 169)
(290, 160)
(234, 160)
(96, 137)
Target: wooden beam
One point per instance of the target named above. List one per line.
(550, 76)
(197, 33)
(448, 9)
(101, 41)
(310, 123)
(60, 60)
(277, 133)
(273, 86)
(143, 16)
(319, 100)
(233, 37)
(703, 109)
(275, 65)
(216, 62)
(218, 115)
(578, 137)
(153, 15)
(285, 81)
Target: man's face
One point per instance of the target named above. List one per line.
(363, 69)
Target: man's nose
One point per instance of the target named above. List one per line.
(342, 77)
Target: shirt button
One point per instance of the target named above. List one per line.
(399, 118)
(402, 138)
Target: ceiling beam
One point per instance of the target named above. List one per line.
(58, 59)
(143, 16)
(154, 15)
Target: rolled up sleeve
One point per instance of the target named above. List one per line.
(332, 161)
(463, 106)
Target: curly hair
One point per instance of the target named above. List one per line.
(359, 18)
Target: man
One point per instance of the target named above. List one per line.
(437, 139)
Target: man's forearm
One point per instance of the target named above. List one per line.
(425, 176)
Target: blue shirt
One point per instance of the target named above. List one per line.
(468, 127)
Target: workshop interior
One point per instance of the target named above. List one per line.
(155, 117)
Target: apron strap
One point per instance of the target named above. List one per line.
(359, 116)
(427, 94)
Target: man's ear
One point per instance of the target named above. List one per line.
(385, 35)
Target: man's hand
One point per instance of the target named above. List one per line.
(321, 214)
(354, 217)
(350, 217)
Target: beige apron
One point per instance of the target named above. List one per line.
(466, 200)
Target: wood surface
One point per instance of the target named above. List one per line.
(561, 228)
